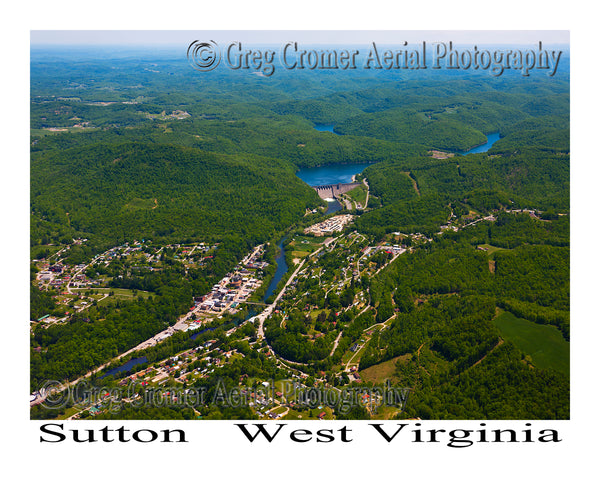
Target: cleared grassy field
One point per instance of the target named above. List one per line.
(543, 343)
(315, 313)
(42, 132)
(382, 371)
(303, 246)
(385, 413)
(300, 253)
(295, 415)
(358, 194)
(490, 249)
(278, 410)
(119, 293)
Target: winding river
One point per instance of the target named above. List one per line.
(330, 174)
(314, 176)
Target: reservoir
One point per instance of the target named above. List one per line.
(314, 176)
(328, 174)
(324, 127)
(491, 139)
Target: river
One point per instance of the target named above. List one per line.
(314, 176)
(126, 366)
(282, 268)
(491, 139)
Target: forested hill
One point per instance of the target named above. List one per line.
(531, 177)
(134, 190)
(145, 151)
(380, 117)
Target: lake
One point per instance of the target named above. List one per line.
(325, 127)
(491, 139)
(328, 174)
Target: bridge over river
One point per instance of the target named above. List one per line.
(331, 191)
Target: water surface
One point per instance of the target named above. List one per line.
(281, 270)
(325, 127)
(333, 207)
(329, 174)
(491, 139)
(126, 366)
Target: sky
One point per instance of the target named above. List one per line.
(177, 37)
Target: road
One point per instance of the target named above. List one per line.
(145, 344)
(383, 326)
(396, 255)
(347, 203)
(261, 317)
(335, 343)
(367, 199)
(68, 286)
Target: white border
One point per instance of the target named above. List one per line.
(213, 450)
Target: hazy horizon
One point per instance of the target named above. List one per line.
(169, 38)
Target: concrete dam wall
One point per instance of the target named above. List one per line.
(331, 191)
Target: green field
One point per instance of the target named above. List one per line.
(118, 293)
(543, 343)
(295, 415)
(358, 194)
(384, 370)
(490, 249)
(303, 246)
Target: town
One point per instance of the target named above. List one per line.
(329, 261)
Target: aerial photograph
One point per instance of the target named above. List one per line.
(296, 225)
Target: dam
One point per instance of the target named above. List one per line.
(334, 189)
